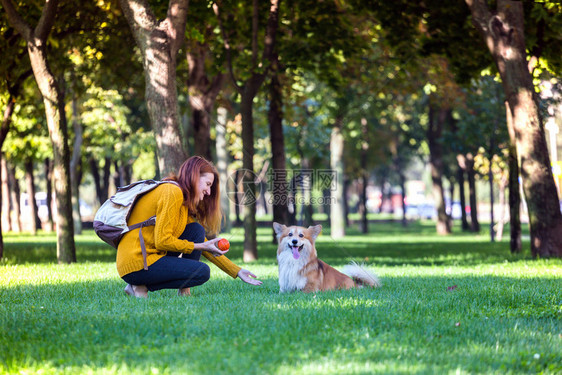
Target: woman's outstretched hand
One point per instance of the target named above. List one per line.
(248, 277)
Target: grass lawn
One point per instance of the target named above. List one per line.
(448, 305)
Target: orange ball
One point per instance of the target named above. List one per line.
(223, 244)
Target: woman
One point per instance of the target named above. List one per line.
(184, 211)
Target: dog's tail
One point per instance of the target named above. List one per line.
(361, 276)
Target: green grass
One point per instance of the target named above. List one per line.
(503, 317)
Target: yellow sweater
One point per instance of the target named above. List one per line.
(166, 202)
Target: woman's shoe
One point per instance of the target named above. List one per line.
(184, 292)
(139, 291)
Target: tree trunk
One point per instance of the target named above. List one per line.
(491, 182)
(346, 184)
(307, 183)
(53, 99)
(13, 90)
(326, 201)
(403, 190)
(237, 203)
(200, 120)
(514, 189)
(127, 172)
(382, 183)
(75, 165)
(106, 179)
(249, 186)
(474, 224)
(56, 119)
(4, 208)
(364, 222)
(263, 197)
(308, 209)
(31, 202)
(6, 121)
(292, 202)
(280, 186)
(203, 91)
(337, 209)
(49, 183)
(118, 179)
(222, 166)
(501, 220)
(6, 202)
(94, 169)
(491, 177)
(186, 133)
(248, 91)
(460, 177)
(15, 196)
(452, 195)
(159, 42)
(301, 177)
(503, 32)
(437, 119)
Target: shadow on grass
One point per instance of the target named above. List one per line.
(454, 251)
(408, 326)
(390, 254)
(26, 252)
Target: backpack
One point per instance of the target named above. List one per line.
(110, 222)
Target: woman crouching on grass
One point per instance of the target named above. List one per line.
(184, 212)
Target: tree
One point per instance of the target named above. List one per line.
(504, 34)
(481, 126)
(337, 212)
(439, 117)
(205, 74)
(446, 30)
(16, 73)
(53, 97)
(26, 146)
(442, 97)
(279, 183)
(514, 194)
(109, 139)
(76, 161)
(315, 40)
(159, 43)
(13, 89)
(248, 85)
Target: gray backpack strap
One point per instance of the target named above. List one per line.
(151, 221)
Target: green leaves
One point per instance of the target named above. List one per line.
(107, 132)
(28, 137)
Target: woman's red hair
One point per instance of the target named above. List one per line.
(207, 211)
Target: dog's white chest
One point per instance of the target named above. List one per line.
(290, 279)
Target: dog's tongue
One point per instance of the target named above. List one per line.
(296, 253)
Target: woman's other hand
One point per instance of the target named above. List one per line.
(248, 277)
(211, 247)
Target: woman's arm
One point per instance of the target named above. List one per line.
(223, 263)
(169, 209)
(232, 269)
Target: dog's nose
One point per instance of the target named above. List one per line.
(295, 242)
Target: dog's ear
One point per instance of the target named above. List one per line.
(315, 231)
(278, 229)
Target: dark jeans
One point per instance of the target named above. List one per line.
(171, 272)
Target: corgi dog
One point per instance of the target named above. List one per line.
(300, 268)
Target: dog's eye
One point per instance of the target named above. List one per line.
(290, 234)
(301, 235)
